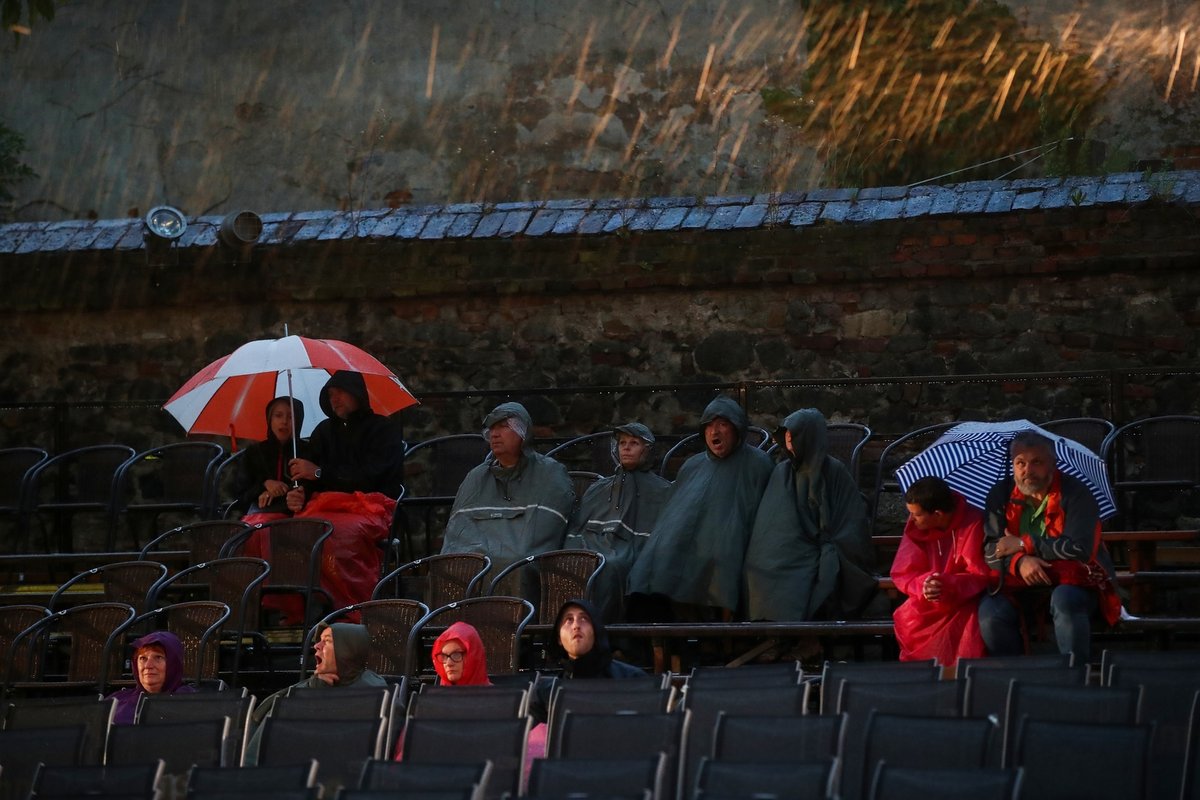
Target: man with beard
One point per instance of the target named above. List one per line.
(1042, 532)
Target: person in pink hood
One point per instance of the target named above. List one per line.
(459, 658)
(940, 566)
(158, 667)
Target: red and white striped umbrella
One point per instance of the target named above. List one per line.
(229, 397)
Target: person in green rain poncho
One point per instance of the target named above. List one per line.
(618, 512)
(694, 555)
(810, 554)
(517, 502)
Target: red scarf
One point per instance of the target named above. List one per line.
(1064, 571)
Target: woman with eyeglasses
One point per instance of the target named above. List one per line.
(459, 658)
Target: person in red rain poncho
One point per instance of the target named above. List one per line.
(940, 566)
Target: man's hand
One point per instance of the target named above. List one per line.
(1034, 571)
(1009, 545)
(301, 469)
(932, 588)
(295, 500)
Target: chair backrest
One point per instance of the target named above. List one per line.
(549, 579)
(180, 745)
(986, 692)
(16, 467)
(924, 742)
(436, 467)
(220, 485)
(591, 453)
(606, 777)
(1167, 696)
(1156, 451)
(340, 746)
(359, 703)
(90, 714)
(1103, 760)
(406, 776)
(130, 780)
(21, 751)
(294, 548)
(203, 540)
(846, 442)
(1104, 705)
(155, 710)
(499, 620)
(907, 783)
(169, 476)
(755, 737)
(704, 705)
(1146, 659)
(14, 620)
(574, 697)
(94, 632)
(468, 702)
(127, 582)
(779, 673)
(799, 780)
(80, 476)
(1091, 432)
(197, 624)
(252, 781)
(833, 673)
(236, 582)
(449, 741)
(436, 580)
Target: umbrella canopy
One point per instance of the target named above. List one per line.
(973, 457)
(229, 397)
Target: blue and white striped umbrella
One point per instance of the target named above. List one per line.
(973, 457)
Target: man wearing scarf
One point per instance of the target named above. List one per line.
(1042, 531)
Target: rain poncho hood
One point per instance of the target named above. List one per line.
(811, 548)
(351, 648)
(127, 699)
(362, 453)
(696, 549)
(474, 659)
(507, 513)
(615, 518)
(512, 409)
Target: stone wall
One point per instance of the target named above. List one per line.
(893, 307)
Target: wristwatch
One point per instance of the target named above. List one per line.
(317, 473)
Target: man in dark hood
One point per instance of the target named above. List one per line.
(517, 502)
(353, 449)
(810, 554)
(694, 556)
(581, 649)
(158, 667)
(341, 651)
(617, 513)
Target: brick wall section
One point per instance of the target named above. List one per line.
(991, 276)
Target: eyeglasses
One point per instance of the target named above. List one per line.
(456, 656)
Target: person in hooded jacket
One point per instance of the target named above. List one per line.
(351, 479)
(517, 502)
(940, 566)
(158, 667)
(341, 651)
(694, 555)
(459, 658)
(810, 553)
(617, 513)
(264, 473)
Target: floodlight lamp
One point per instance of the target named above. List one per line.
(238, 233)
(166, 222)
(163, 227)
